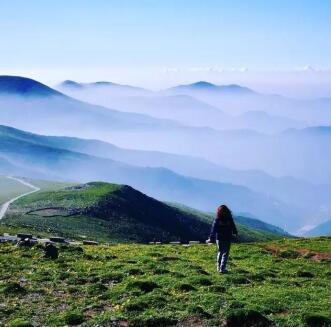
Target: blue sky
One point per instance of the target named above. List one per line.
(164, 41)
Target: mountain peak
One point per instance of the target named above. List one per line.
(71, 84)
(210, 87)
(203, 84)
(23, 86)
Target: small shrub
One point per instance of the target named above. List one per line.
(236, 305)
(72, 249)
(134, 272)
(136, 306)
(237, 280)
(185, 287)
(112, 277)
(73, 289)
(256, 277)
(217, 289)
(246, 318)
(308, 255)
(14, 289)
(160, 271)
(19, 323)
(197, 310)
(307, 274)
(73, 318)
(200, 271)
(96, 289)
(202, 281)
(288, 254)
(314, 320)
(144, 286)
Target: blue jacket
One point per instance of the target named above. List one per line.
(223, 231)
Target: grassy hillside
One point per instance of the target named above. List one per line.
(282, 283)
(113, 213)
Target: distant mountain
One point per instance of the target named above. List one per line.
(236, 100)
(115, 213)
(101, 87)
(316, 131)
(203, 86)
(323, 229)
(304, 199)
(164, 184)
(71, 84)
(22, 86)
(28, 104)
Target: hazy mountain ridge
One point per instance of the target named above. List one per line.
(237, 149)
(17, 85)
(243, 150)
(323, 229)
(203, 86)
(158, 182)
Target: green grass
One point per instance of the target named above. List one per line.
(111, 213)
(46, 185)
(162, 285)
(66, 197)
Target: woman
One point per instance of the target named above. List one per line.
(223, 228)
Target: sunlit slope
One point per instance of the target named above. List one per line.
(282, 283)
(115, 213)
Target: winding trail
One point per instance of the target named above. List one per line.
(6, 205)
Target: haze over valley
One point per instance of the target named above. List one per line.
(199, 144)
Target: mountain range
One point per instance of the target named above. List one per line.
(241, 158)
(239, 149)
(32, 152)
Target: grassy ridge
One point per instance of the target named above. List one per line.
(112, 213)
(162, 285)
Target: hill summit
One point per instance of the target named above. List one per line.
(22, 86)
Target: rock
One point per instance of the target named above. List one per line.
(57, 239)
(51, 251)
(24, 236)
(87, 242)
(27, 242)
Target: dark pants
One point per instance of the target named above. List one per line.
(223, 253)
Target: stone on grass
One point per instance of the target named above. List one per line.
(51, 251)
(87, 242)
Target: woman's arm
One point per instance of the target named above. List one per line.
(212, 234)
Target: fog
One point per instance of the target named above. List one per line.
(276, 148)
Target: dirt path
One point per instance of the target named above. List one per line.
(6, 205)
